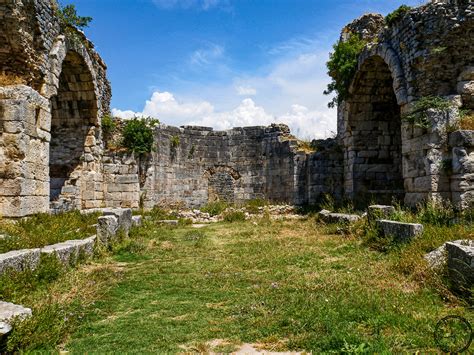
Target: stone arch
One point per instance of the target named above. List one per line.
(74, 116)
(221, 183)
(374, 157)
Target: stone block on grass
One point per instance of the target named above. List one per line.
(339, 217)
(461, 265)
(137, 221)
(124, 218)
(10, 312)
(19, 260)
(107, 227)
(401, 232)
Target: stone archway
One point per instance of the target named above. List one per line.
(221, 183)
(74, 112)
(374, 122)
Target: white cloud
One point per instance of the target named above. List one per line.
(245, 91)
(206, 56)
(289, 91)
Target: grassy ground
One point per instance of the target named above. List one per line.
(44, 229)
(284, 285)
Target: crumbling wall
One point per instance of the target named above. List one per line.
(53, 91)
(427, 52)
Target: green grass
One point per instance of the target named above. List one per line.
(278, 284)
(45, 229)
(283, 285)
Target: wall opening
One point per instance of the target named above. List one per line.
(375, 122)
(74, 112)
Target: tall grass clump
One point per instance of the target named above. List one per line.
(43, 229)
(215, 208)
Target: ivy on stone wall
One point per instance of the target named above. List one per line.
(342, 66)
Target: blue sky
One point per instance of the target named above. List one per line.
(223, 63)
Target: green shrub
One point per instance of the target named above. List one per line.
(174, 142)
(342, 66)
(252, 206)
(396, 15)
(234, 216)
(215, 208)
(418, 115)
(108, 125)
(69, 18)
(138, 134)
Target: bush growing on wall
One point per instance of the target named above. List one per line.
(396, 15)
(138, 134)
(342, 66)
(69, 17)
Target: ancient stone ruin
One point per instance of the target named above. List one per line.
(54, 92)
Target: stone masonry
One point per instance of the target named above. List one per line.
(54, 92)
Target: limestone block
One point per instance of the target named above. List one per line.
(124, 218)
(461, 139)
(461, 264)
(340, 218)
(437, 258)
(137, 221)
(66, 252)
(107, 227)
(9, 312)
(401, 232)
(19, 260)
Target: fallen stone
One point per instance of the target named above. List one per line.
(124, 218)
(461, 264)
(339, 217)
(437, 258)
(9, 312)
(107, 227)
(375, 212)
(401, 232)
(19, 260)
(137, 221)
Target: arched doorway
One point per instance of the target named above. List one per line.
(375, 156)
(74, 113)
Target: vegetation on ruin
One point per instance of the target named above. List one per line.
(342, 66)
(137, 134)
(466, 119)
(69, 18)
(282, 285)
(174, 142)
(396, 15)
(418, 115)
(44, 229)
(215, 208)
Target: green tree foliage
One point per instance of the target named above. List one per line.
(138, 134)
(396, 15)
(418, 114)
(342, 66)
(69, 17)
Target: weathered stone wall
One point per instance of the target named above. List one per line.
(53, 91)
(195, 165)
(428, 52)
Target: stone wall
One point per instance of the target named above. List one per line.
(427, 52)
(53, 91)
